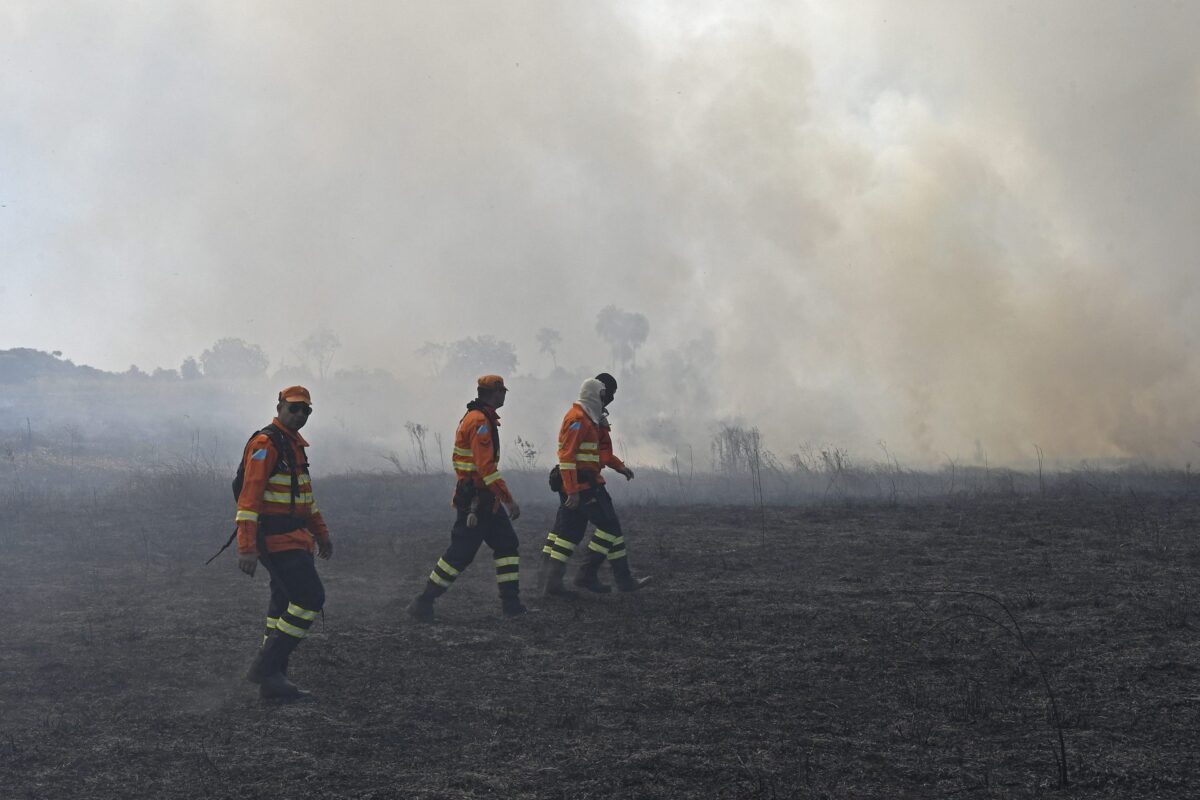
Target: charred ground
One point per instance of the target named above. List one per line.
(822, 657)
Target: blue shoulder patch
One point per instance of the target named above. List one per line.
(483, 429)
(259, 455)
(575, 426)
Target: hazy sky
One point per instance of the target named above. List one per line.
(946, 221)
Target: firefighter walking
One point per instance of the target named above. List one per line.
(584, 450)
(279, 525)
(481, 498)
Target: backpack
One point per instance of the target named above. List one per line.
(285, 459)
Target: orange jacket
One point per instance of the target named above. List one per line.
(267, 491)
(477, 449)
(584, 449)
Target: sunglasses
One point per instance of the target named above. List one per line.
(297, 408)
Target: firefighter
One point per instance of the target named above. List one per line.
(584, 449)
(480, 499)
(279, 525)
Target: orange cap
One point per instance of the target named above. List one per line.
(295, 394)
(491, 382)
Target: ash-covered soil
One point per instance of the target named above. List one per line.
(830, 656)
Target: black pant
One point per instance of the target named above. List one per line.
(492, 527)
(596, 507)
(297, 594)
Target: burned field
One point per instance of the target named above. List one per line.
(833, 653)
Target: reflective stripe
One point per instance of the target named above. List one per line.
(247, 516)
(566, 465)
(271, 621)
(588, 446)
(596, 546)
(615, 554)
(490, 479)
(462, 451)
(290, 629)
(302, 613)
(565, 544)
(617, 542)
(508, 560)
(507, 577)
(439, 580)
(586, 457)
(547, 549)
(608, 537)
(560, 556)
(445, 567)
(286, 497)
(463, 467)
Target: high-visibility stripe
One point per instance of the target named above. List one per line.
(290, 629)
(559, 556)
(617, 542)
(597, 547)
(286, 497)
(608, 537)
(462, 451)
(508, 560)
(586, 457)
(302, 613)
(566, 465)
(445, 567)
(247, 516)
(490, 479)
(547, 549)
(439, 580)
(566, 544)
(507, 577)
(588, 445)
(465, 467)
(615, 554)
(272, 621)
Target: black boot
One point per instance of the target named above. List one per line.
(421, 609)
(510, 600)
(624, 578)
(544, 572)
(554, 587)
(588, 577)
(266, 669)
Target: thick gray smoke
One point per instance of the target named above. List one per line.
(955, 227)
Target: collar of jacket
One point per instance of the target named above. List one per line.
(293, 435)
(488, 411)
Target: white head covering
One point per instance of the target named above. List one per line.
(591, 395)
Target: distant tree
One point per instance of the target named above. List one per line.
(479, 355)
(232, 358)
(189, 370)
(134, 372)
(624, 331)
(163, 374)
(548, 340)
(317, 351)
(434, 354)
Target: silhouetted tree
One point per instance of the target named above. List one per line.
(233, 358)
(548, 340)
(318, 349)
(625, 332)
(434, 354)
(479, 355)
(189, 370)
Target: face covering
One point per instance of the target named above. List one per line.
(590, 401)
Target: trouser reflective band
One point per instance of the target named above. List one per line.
(616, 548)
(507, 569)
(295, 621)
(272, 623)
(559, 548)
(603, 542)
(443, 574)
(548, 547)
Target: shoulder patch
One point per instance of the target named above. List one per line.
(483, 429)
(574, 426)
(259, 455)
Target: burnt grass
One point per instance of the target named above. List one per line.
(830, 655)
